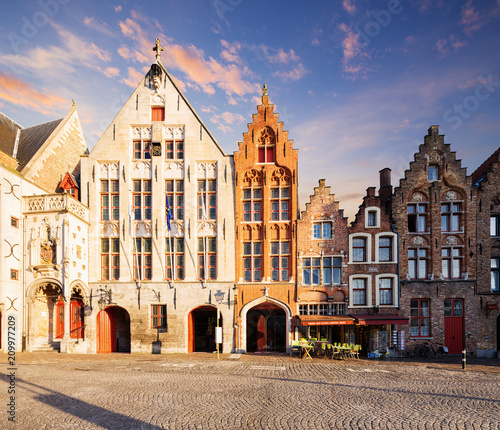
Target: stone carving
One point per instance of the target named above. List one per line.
(434, 157)
(280, 177)
(109, 229)
(206, 169)
(109, 170)
(451, 240)
(157, 99)
(252, 177)
(141, 169)
(451, 195)
(417, 197)
(174, 132)
(266, 137)
(418, 241)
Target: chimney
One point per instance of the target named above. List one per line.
(385, 191)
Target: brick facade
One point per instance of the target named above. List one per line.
(265, 221)
(487, 179)
(322, 276)
(434, 210)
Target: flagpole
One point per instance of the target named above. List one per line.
(205, 236)
(169, 217)
(134, 246)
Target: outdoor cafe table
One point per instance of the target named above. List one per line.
(306, 349)
(342, 350)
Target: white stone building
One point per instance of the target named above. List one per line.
(43, 269)
(157, 148)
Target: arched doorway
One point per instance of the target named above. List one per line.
(46, 323)
(201, 329)
(266, 328)
(113, 330)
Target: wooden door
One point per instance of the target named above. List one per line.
(106, 332)
(454, 325)
(60, 319)
(77, 319)
(191, 331)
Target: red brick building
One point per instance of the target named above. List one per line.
(265, 220)
(374, 295)
(487, 180)
(434, 210)
(322, 277)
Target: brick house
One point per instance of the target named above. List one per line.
(265, 211)
(322, 276)
(374, 296)
(434, 210)
(487, 180)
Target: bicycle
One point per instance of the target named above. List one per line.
(418, 351)
(438, 352)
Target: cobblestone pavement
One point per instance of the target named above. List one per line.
(197, 391)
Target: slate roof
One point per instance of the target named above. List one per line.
(8, 131)
(32, 139)
(483, 168)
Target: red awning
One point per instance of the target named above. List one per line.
(380, 319)
(326, 320)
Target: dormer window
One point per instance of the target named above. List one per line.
(432, 173)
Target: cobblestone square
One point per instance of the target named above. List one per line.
(197, 391)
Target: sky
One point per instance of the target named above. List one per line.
(357, 83)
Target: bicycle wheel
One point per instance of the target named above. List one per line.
(439, 354)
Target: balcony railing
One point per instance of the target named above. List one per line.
(55, 202)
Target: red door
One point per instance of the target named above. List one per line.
(60, 319)
(106, 336)
(77, 319)
(454, 325)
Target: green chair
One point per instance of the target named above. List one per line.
(295, 347)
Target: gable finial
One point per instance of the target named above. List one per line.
(158, 49)
(264, 90)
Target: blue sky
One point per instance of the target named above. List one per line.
(356, 82)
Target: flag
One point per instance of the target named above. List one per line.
(168, 213)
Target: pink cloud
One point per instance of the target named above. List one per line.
(471, 18)
(205, 73)
(21, 93)
(349, 6)
(134, 77)
(353, 61)
(111, 72)
(294, 74)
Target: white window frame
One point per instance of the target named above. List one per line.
(394, 238)
(368, 291)
(321, 224)
(377, 216)
(394, 290)
(368, 238)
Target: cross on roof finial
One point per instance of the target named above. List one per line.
(158, 49)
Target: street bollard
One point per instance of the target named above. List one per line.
(464, 358)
